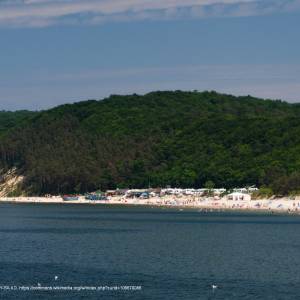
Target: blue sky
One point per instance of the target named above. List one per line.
(58, 51)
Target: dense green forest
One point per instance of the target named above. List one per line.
(162, 138)
(10, 119)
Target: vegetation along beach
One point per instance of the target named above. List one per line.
(176, 139)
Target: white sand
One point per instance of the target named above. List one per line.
(276, 205)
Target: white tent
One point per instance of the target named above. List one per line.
(238, 197)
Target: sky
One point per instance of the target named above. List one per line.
(63, 51)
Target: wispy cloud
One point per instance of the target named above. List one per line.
(46, 12)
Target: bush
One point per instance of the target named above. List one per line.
(263, 192)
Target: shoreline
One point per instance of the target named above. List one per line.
(267, 206)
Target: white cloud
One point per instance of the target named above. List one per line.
(46, 12)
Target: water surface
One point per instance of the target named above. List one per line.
(171, 254)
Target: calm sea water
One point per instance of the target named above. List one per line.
(171, 254)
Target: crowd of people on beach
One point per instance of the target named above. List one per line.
(203, 199)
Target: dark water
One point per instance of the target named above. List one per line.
(171, 254)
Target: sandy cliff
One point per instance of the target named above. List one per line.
(10, 183)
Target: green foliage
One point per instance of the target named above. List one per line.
(209, 185)
(263, 192)
(16, 192)
(166, 138)
(8, 119)
(287, 184)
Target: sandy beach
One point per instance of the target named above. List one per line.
(206, 203)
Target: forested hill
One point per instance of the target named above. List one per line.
(10, 119)
(162, 138)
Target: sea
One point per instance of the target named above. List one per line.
(66, 251)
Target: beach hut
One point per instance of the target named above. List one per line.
(236, 196)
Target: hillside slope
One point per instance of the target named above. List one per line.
(162, 138)
(10, 119)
